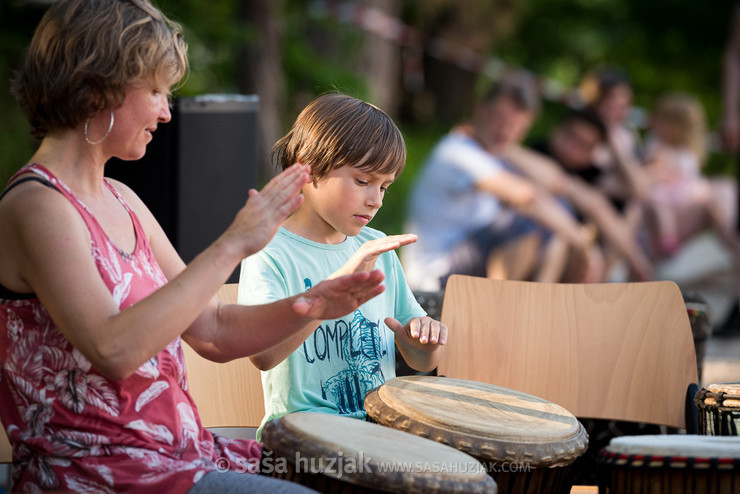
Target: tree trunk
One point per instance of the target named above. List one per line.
(261, 73)
(380, 62)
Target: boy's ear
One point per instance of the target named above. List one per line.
(314, 180)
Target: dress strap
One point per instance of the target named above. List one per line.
(40, 180)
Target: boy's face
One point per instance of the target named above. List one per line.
(343, 201)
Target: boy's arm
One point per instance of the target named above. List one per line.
(537, 167)
(420, 341)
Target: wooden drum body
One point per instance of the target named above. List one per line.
(718, 408)
(526, 443)
(670, 464)
(334, 454)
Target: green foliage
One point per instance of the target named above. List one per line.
(16, 142)
(662, 44)
(419, 141)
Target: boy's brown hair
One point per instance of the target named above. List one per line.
(336, 130)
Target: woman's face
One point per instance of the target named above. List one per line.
(145, 106)
(615, 105)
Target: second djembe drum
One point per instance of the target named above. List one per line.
(527, 443)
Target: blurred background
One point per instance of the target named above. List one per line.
(423, 61)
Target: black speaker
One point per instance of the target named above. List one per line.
(198, 169)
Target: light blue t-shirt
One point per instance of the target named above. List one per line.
(344, 358)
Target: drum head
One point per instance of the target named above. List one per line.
(366, 454)
(489, 422)
(676, 445)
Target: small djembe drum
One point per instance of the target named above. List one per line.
(528, 444)
(718, 409)
(334, 454)
(670, 464)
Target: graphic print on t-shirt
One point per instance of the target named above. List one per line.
(360, 346)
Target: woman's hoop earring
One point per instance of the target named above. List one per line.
(107, 133)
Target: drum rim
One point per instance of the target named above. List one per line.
(287, 441)
(551, 454)
(637, 460)
(719, 399)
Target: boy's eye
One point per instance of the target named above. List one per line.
(360, 181)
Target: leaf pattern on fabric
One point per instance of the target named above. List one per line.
(26, 388)
(86, 486)
(14, 325)
(71, 388)
(178, 358)
(105, 473)
(150, 368)
(79, 444)
(40, 467)
(149, 394)
(189, 426)
(36, 416)
(158, 432)
(102, 395)
(161, 467)
(122, 289)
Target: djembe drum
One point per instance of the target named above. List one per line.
(335, 454)
(527, 444)
(718, 409)
(670, 464)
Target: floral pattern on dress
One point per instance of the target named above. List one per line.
(73, 429)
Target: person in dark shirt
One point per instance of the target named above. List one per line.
(572, 143)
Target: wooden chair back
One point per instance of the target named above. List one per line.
(6, 452)
(621, 351)
(227, 394)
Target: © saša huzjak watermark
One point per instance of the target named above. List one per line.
(341, 465)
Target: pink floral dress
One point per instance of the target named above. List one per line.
(73, 429)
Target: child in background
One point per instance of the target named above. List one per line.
(675, 152)
(355, 152)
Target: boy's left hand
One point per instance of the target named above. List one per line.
(420, 333)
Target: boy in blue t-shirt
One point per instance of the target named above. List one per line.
(355, 152)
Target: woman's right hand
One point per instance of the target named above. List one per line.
(258, 221)
(333, 298)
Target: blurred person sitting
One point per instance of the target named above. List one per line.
(474, 216)
(608, 92)
(676, 151)
(564, 161)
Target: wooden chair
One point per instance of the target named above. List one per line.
(6, 452)
(606, 351)
(228, 394)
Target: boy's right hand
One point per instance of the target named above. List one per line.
(365, 257)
